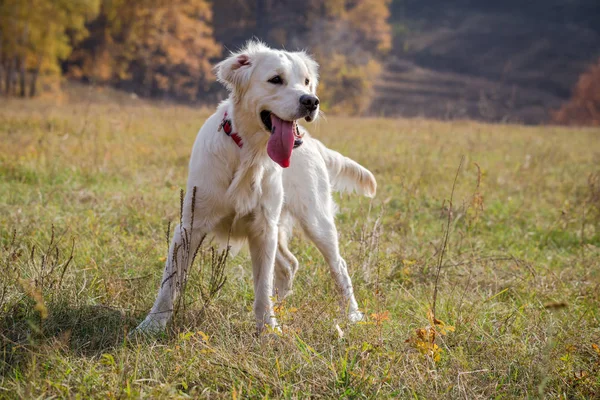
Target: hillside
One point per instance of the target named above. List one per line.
(405, 89)
(509, 62)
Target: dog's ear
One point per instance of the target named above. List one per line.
(234, 72)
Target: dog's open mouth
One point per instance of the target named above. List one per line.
(265, 116)
(285, 136)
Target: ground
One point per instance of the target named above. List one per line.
(516, 247)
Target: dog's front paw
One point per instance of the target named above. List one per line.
(356, 316)
(150, 327)
(272, 331)
(268, 328)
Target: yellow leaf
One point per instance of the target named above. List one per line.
(204, 336)
(381, 317)
(439, 325)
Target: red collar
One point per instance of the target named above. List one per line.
(228, 129)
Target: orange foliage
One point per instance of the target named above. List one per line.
(35, 37)
(369, 17)
(155, 47)
(167, 47)
(348, 42)
(584, 106)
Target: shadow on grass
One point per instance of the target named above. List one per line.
(83, 331)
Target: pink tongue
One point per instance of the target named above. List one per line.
(281, 142)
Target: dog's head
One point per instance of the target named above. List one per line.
(275, 89)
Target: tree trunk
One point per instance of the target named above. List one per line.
(34, 76)
(21, 69)
(22, 62)
(8, 78)
(15, 77)
(33, 83)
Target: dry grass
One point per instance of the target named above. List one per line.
(519, 278)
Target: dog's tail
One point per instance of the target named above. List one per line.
(347, 175)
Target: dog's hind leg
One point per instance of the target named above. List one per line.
(308, 198)
(320, 228)
(286, 264)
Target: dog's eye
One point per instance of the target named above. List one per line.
(276, 80)
(306, 81)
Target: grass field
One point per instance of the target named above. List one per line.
(518, 288)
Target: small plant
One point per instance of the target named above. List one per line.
(445, 239)
(424, 338)
(591, 205)
(35, 274)
(370, 235)
(31, 283)
(215, 278)
(211, 280)
(9, 272)
(284, 314)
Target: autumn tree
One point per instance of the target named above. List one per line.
(273, 21)
(35, 36)
(167, 47)
(348, 38)
(156, 47)
(584, 106)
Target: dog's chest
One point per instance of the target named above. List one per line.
(252, 199)
(253, 186)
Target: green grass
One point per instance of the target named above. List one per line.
(519, 279)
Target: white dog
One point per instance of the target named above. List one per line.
(239, 171)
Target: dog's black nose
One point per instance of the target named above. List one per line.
(309, 101)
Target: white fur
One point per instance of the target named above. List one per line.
(308, 183)
(240, 191)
